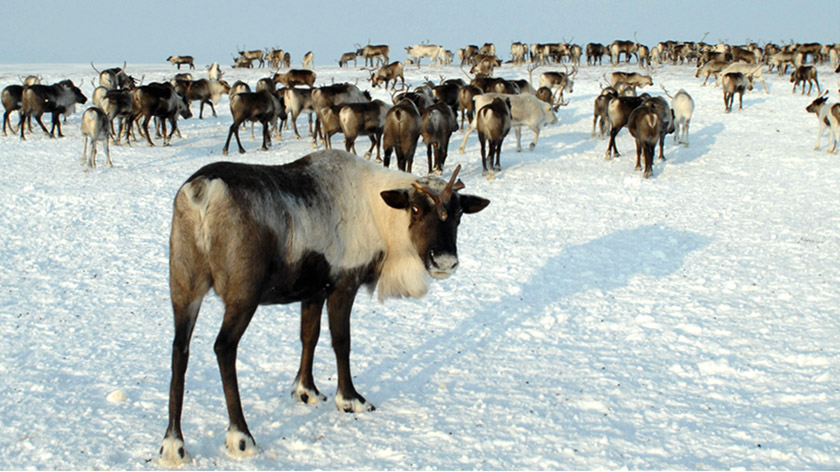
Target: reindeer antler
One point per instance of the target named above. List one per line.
(440, 198)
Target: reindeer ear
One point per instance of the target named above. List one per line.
(396, 198)
(473, 204)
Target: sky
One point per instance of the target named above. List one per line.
(213, 30)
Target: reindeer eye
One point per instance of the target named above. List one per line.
(415, 211)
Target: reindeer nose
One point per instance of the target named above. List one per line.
(442, 265)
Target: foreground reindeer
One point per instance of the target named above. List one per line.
(313, 231)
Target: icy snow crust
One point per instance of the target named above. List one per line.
(598, 320)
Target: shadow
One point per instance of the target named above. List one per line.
(700, 144)
(604, 264)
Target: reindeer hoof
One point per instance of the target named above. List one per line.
(173, 454)
(310, 396)
(240, 444)
(352, 405)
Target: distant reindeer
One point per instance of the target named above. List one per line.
(95, 127)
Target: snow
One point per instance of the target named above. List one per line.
(598, 320)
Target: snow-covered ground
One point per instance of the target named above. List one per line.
(598, 320)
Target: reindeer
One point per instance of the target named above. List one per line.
(466, 105)
(560, 82)
(392, 71)
(619, 47)
(309, 60)
(95, 127)
(298, 101)
(645, 126)
(56, 99)
(262, 107)
(296, 77)
(181, 60)
(419, 51)
(346, 58)
(732, 83)
(828, 114)
(114, 77)
(600, 116)
(117, 105)
(619, 110)
(251, 56)
(159, 101)
(313, 231)
(359, 119)
(374, 54)
(400, 134)
(683, 106)
(275, 57)
(595, 52)
(439, 122)
(803, 74)
(12, 98)
(493, 123)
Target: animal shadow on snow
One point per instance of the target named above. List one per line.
(701, 143)
(606, 263)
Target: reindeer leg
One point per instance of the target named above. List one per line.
(238, 314)
(339, 305)
(310, 330)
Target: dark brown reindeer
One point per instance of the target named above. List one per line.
(493, 123)
(56, 99)
(238, 229)
(263, 107)
(402, 130)
(439, 122)
(644, 125)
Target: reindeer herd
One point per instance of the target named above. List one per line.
(429, 110)
(317, 229)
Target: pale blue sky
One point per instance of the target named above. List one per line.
(148, 31)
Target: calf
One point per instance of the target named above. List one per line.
(358, 119)
(525, 110)
(56, 99)
(439, 122)
(401, 132)
(803, 74)
(493, 124)
(645, 127)
(262, 107)
(312, 231)
(95, 127)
